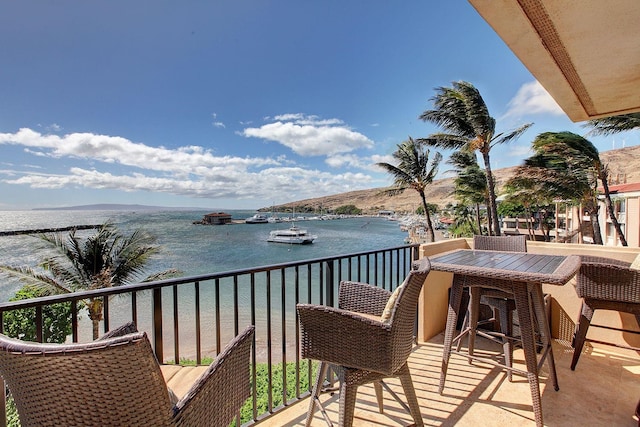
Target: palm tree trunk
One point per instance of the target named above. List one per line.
(492, 194)
(532, 236)
(612, 215)
(95, 314)
(478, 218)
(489, 218)
(430, 232)
(595, 225)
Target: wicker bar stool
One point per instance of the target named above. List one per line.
(366, 339)
(604, 284)
(500, 302)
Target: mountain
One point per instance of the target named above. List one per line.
(115, 207)
(624, 167)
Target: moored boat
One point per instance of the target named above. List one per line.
(257, 219)
(292, 235)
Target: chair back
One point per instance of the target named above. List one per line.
(403, 316)
(227, 383)
(501, 243)
(115, 381)
(608, 280)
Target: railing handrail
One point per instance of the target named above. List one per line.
(177, 310)
(142, 286)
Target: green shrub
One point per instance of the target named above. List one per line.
(262, 386)
(56, 319)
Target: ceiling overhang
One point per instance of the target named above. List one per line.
(585, 53)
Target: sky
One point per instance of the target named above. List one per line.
(240, 104)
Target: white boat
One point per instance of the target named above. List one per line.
(273, 220)
(293, 235)
(257, 219)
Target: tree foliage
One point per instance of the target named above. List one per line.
(56, 319)
(413, 169)
(102, 260)
(464, 117)
(614, 124)
(348, 210)
(565, 166)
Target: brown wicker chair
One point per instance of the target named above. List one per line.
(500, 302)
(116, 381)
(361, 347)
(604, 284)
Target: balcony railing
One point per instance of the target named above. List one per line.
(192, 318)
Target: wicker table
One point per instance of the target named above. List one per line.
(520, 274)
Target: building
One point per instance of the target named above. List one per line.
(217, 218)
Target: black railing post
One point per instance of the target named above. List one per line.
(39, 324)
(329, 283)
(157, 324)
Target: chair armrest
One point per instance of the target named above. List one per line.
(219, 393)
(362, 297)
(608, 282)
(120, 331)
(344, 338)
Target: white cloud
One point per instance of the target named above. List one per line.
(532, 98)
(117, 163)
(311, 136)
(217, 123)
(114, 149)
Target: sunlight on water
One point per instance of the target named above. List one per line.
(199, 249)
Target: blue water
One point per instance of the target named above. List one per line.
(199, 249)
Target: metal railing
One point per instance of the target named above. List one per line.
(191, 318)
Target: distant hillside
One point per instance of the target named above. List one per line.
(114, 207)
(624, 166)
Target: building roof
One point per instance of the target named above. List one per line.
(624, 188)
(219, 214)
(585, 53)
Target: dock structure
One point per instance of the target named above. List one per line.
(48, 230)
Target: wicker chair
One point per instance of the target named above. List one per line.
(116, 381)
(604, 284)
(500, 302)
(360, 346)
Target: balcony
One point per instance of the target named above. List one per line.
(192, 318)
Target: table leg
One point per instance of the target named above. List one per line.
(455, 298)
(545, 332)
(525, 317)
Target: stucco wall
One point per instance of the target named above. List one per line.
(565, 304)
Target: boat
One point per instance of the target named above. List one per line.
(257, 219)
(292, 235)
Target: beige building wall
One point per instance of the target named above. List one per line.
(632, 232)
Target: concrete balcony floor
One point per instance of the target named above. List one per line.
(603, 391)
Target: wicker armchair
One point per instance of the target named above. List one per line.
(500, 302)
(116, 381)
(604, 284)
(360, 346)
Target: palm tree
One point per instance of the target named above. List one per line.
(614, 124)
(470, 186)
(107, 258)
(413, 170)
(464, 116)
(568, 166)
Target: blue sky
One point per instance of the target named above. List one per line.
(239, 104)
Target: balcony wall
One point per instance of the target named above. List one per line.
(565, 304)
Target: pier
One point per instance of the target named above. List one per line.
(48, 230)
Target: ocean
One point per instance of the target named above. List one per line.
(195, 248)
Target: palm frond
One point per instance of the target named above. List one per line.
(614, 124)
(33, 278)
